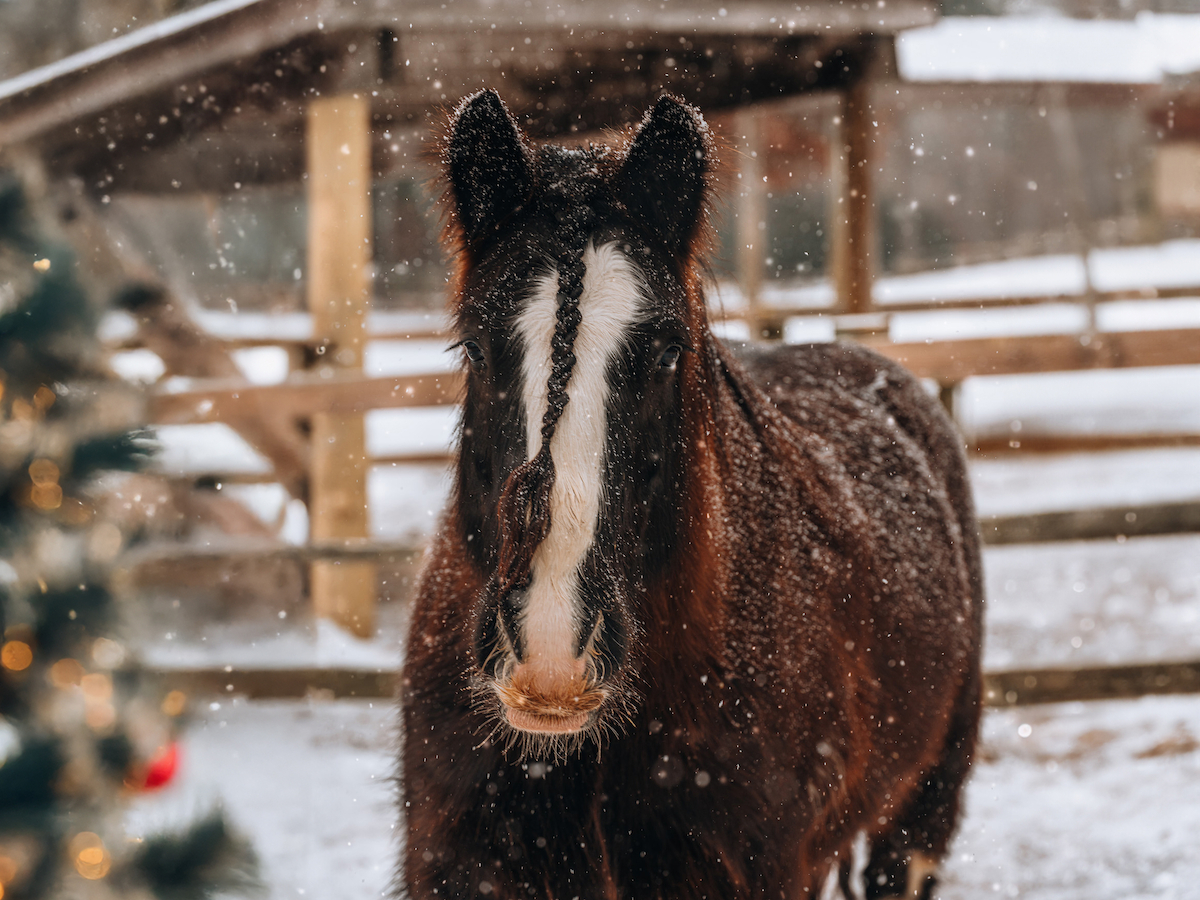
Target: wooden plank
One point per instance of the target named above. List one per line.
(1020, 687)
(1002, 302)
(953, 361)
(1029, 686)
(304, 394)
(1092, 524)
(281, 684)
(338, 141)
(1025, 443)
(1098, 524)
(230, 551)
(944, 361)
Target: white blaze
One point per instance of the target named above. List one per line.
(610, 304)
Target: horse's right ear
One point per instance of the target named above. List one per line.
(488, 164)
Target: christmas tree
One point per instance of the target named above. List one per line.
(81, 729)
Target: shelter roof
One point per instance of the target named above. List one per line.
(230, 79)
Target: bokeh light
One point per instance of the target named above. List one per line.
(16, 656)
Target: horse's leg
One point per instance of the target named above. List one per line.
(904, 862)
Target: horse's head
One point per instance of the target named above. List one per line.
(584, 341)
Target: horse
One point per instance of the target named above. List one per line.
(700, 620)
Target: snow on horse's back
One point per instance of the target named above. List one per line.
(698, 620)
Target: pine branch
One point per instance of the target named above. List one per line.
(206, 860)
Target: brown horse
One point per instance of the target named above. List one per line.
(699, 621)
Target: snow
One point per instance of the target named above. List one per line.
(408, 357)
(1098, 801)
(307, 780)
(194, 635)
(1036, 276)
(297, 326)
(138, 366)
(1048, 48)
(964, 324)
(406, 501)
(210, 447)
(263, 365)
(1016, 486)
(1106, 401)
(1093, 603)
(419, 430)
(1101, 801)
(1170, 264)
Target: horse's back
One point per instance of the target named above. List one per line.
(813, 383)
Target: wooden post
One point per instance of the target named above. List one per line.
(853, 219)
(751, 223)
(339, 253)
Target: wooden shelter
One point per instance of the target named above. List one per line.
(258, 92)
(241, 93)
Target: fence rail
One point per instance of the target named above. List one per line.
(1009, 688)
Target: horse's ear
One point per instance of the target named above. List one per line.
(488, 164)
(664, 177)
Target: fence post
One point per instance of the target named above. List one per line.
(854, 237)
(339, 254)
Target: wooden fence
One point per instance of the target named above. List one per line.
(253, 410)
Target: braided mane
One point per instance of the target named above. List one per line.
(524, 509)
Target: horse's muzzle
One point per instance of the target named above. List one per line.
(543, 699)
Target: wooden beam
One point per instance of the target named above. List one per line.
(304, 394)
(751, 225)
(1099, 524)
(853, 251)
(349, 550)
(944, 361)
(339, 225)
(1019, 687)
(145, 60)
(1092, 524)
(1028, 686)
(281, 684)
(953, 361)
(1025, 443)
(339, 253)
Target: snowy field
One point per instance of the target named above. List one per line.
(1096, 801)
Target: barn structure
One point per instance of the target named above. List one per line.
(326, 100)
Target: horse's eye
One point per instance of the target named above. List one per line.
(669, 358)
(474, 352)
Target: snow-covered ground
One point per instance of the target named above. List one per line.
(1097, 801)
(308, 781)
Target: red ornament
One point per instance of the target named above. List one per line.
(162, 766)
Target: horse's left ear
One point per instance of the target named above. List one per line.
(664, 177)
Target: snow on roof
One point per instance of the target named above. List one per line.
(1047, 48)
(85, 59)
